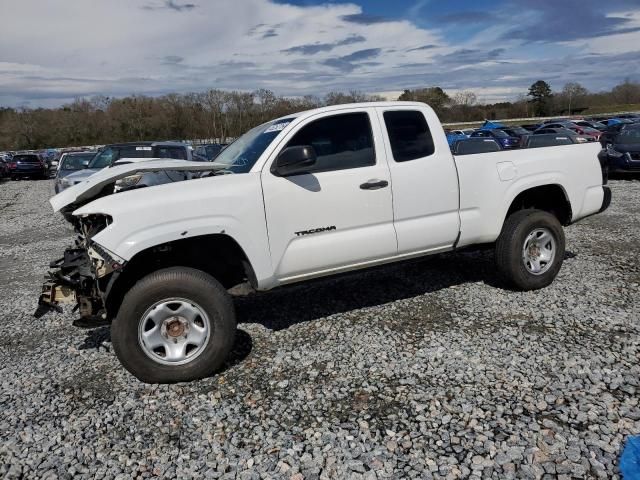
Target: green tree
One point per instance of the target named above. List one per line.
(435, 97)
(541, 95)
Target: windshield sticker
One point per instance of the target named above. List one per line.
(143, 148)
(276, 127)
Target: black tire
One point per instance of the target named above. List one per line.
(176, 282)
(509, 249)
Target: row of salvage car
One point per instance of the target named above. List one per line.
(618, 136)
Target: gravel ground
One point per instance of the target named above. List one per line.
(421, 370)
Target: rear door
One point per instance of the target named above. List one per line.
(424, 180)
(340, 213)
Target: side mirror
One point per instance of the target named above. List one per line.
(294, 161)
(85, 163)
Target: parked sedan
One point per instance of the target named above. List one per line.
(623, 155)
(28, 165)
(580, 130)
(70, 163)
(506, 141)
(565, 132)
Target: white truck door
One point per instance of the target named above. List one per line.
(340, 213)
(423, 178)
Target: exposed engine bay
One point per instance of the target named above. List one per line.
(86, 272)
(83, 275)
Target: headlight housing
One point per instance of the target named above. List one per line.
(612, 152)
(128, 182)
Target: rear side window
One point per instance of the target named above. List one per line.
(409, 135)
(171, 152)
(341, 142)
(548, 141)
(132, 151)
(471, 146)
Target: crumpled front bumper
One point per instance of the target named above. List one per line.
(71, 280)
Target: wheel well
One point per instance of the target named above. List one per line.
(218, 255)
(550, 198)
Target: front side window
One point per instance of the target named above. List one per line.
(340, 141)
(409, 135)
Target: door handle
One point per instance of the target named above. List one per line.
(374, 184)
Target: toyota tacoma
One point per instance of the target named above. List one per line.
(308, 195)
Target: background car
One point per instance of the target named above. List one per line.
(516, 131)
(70, 163)
(580, 130)
(547, 140)
(469, 146)
(565, 132)
(117, 152)
(454, 137)
(612, 131)
(591, 124)
(506, 141)
(623, 153)
(4, 168)
(28, 165)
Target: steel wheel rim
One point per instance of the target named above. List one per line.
(174, 331)
(539, 251)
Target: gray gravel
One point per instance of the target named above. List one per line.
(421, 370)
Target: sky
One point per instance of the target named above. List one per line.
(52, 51)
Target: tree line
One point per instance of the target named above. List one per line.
(219, 115)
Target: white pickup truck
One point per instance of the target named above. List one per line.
(307, 195)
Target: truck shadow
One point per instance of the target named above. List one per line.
(287, 306)
(317, 299)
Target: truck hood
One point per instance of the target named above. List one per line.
(95, 184)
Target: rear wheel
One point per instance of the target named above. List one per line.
(176, 324)
(530, 249)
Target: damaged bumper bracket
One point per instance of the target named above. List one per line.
(71, 277)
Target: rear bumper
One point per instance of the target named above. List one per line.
(606, 200)
(28, 172)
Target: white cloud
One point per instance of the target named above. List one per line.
(84, 47)
(54, 50)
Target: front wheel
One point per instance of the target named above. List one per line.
(177, 324)
(530, 249)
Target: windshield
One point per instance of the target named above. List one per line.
(241, 155)
(630, 136)
(76, 162)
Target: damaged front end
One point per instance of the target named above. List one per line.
(83, 276)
